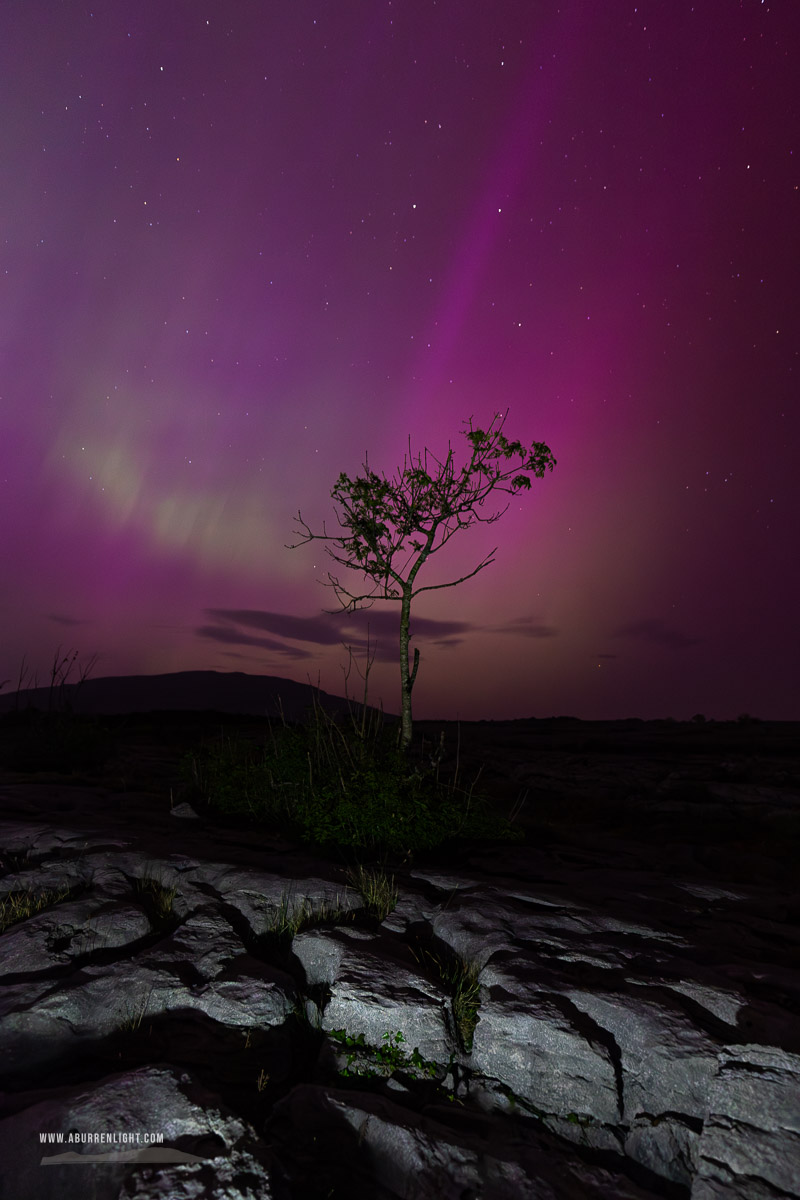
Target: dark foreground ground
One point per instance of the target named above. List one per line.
(717, 795)
(721, 795)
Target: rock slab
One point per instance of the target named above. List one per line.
(634, 1029)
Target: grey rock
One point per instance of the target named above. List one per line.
(184, 812)
(534, 1045)
(636, 1032)
(442, 1156)
(750, 1144)
(372, 995)
(200, 1142)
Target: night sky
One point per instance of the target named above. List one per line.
(244, 244)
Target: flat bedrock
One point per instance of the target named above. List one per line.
(638, 1023)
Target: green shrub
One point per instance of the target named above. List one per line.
(58, 741)
(331, 783)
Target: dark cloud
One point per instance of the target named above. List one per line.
(380, 625)
(605, 656)
(59, 620)
(319, 630)
(235, 637)
(656, 632)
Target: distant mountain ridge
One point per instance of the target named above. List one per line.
(183, 691)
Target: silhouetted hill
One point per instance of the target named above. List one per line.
(183, 691)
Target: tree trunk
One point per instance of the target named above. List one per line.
(406, 677)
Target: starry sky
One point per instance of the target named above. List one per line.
(245, 244)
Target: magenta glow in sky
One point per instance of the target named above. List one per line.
(245, 244)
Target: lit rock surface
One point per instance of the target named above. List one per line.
(638, 1030)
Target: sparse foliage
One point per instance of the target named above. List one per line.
(392, 526)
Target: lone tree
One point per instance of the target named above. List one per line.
(392, 526)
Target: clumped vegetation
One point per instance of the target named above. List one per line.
(460, 978)
(371, 1062)
(289, 919)
(56, 742)
(134, 1015)
(339, 783)
(21, 905)
(158, 899)
(345, 783)
(377, 890)
(54, 738)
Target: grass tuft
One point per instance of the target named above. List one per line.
(134, 1016)
(288, 918)
(377, 890)
(158, 897)
(461, 979)
(20, 906)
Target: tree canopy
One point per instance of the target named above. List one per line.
(392, 526)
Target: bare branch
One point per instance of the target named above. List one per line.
(432, 587)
